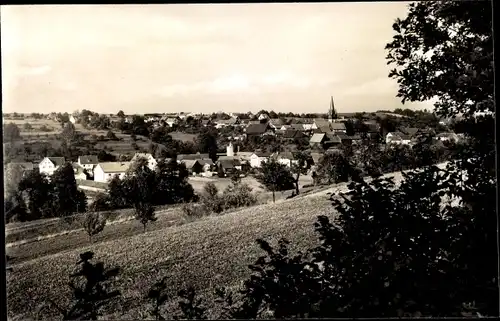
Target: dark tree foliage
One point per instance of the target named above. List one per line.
(67, 198)
(37, 195)
(11, 132)
(457, 35)
(91, 286)
(93, 224)
(207, 142)
(275, 177)
(333, 168)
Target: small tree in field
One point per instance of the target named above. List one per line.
(302, 165)
(276, 177)
(93, 293)
(93, 224)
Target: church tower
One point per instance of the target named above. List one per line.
(332, 113)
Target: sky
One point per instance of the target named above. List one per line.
(199, 58)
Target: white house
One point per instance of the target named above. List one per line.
(263, 116)
(172, 121)
(397, 138)
(49, 165)
(258, 157)
(88, 161)
(103, 172)
(287, 159)
(151, 160)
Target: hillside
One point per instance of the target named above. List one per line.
(216, 248)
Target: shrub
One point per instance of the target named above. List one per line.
(238, 195)
(210, 198)
(93, 224)
(194, 211)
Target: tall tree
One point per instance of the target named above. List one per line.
(275, 177)
(67, 197)
(300, 167)
(139, 187)
(207, 142)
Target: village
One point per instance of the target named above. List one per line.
(321, 135)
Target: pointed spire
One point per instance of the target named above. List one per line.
(332, 113)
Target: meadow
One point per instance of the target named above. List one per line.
(212, 251)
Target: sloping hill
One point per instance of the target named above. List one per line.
(214, 251)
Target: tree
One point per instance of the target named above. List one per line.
(37, 194)
(120, 114)
(457, 38)
(12, 177)
(67, 197)
(91, 293)
(333, 168)
(207, 142)
(301, 167)
(11, 132)
(458, 72)
(69, 132)
(139, 188)
(27, 126)
(93, 224)
(275, 177)
(210, 198)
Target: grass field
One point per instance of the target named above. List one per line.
(213, 251)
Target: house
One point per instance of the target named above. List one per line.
(172, 121)
(338, 127)
(182, 157)
(322, 129)
(292, 134)
(262, 116)
(317, 140)
(276, 123)
(228, 165)
(79, 172)
(206, 122)
(285, 127)
(103, 172)
(397, 138)
(286, 158)
(344, 139)
(447, 137)
(227, 122)
(259, 129)
(299, 127)
(88, 161)
(151, 160)
(49, 165)
(72, 119)
(257, 158)
(320, 123)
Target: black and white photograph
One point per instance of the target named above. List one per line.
(287, 160)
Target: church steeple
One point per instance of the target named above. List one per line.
(332, 113)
